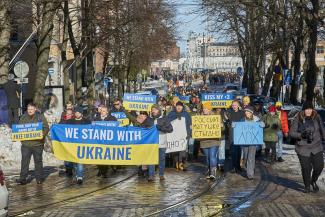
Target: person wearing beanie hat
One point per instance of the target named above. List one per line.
(78, 119)
(246, 101)
(249, 151)
(272, 126)
(283, 117)
(178, 113)
(307, 105)
(164, 126)
(308, 130)
(210, 147)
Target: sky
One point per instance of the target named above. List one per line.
(188, 19)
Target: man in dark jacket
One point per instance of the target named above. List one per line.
(104, 116)
(32, 147)
(78, 119)
(12, 91)
(117, 106)
(164, 126)
(234, 115)
(179, 113)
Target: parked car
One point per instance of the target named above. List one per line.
(4, 195)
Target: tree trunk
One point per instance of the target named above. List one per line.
(269, 76)
(4, 40)
(311, 72)
(44, 38)
(64, 63)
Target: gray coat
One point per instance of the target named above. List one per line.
(299, 125)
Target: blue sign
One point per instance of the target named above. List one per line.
(248, 133)
(240, 71)
(185, 99)
(106, 123)
(29, 131)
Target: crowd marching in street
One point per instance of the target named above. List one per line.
(221, 153)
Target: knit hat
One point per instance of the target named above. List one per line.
(249, 109)
(79, 109)
(272, 108)
(278, 104)
(307, 105)
(179, 103)
(246, 100)
(207, 105)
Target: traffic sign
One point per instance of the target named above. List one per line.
(21, 80)
(51, 71)
(21, 69)
(107, 81)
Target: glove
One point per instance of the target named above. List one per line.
(262, 124)
(233, 125)
(274, 126)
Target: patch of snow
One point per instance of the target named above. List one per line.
(10, 153)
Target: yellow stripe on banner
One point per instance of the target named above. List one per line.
(123, 122)
(24, 136)
(137, 106)
(107, 154)
(220, 103)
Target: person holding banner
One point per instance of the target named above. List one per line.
(164, 126)
(104, 116)
(32, 146)
(235, 114)
(249, 151)
(179, 113)
(210, 147)
(77, 120)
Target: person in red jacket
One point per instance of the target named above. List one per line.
(282, 133)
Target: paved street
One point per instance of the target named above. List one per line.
(274, 192)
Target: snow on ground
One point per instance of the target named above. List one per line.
(10, 154)
(292, 165)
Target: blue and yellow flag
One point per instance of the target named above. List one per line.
(121, 118)
(102, 145)
(218, 100)
(24, 132)
(138, 102)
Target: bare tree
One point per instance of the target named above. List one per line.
(4, 39)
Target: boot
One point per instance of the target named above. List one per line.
(177, 166)
(213, 173)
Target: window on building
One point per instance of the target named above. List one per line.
(320, 49)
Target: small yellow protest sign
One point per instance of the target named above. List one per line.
(206, 126)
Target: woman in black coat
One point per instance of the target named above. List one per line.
(308, 130)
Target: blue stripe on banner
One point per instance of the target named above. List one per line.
(139, 98)
(93, 134)
(216, 96)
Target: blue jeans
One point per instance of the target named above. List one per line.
(79, 168)
(221, 156)
(162, 163)
(211, 156)
(279, 144)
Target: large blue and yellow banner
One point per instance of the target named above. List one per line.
(102, 145)
(218, 100)
(138, 102)
(121, 118)
(24, 132)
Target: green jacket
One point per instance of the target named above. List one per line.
(272, 126)
(26, 119)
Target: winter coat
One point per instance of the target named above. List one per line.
(284, 121)
(272, 126)
(77, 122)
(26, 119)
(313, 124)
(232, 116)
(164, 126)
(107, 118)
(173, 115)
(148, 123)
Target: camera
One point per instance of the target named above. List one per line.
(309, 137)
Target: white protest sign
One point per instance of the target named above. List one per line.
(176, 141)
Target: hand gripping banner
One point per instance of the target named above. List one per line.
(102, 145)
